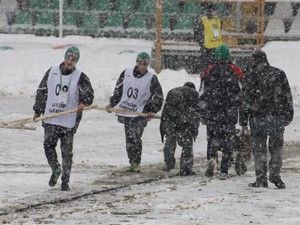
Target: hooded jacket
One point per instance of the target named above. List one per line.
(181, 112)
(221, 93)
(266, 92)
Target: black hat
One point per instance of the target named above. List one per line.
(212, 7)
(190, 85)
(259, 56)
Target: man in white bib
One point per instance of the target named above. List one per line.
(136, 90)
(63, 87)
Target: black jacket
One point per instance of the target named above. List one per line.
(181, 112)
(86, 94)
(221, 93)
(154, 102)
(266, 93)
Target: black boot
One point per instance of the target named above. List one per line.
(168, 167)
(260, 182)
(210, 169)
(277, 181)
(54, 177)
(65, 186)
(187, 173)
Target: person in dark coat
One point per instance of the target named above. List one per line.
(62, 88)
(268, 105)
(137, 90)
(220, 99)
(179, 124)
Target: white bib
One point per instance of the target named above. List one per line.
(63, 95)
(136, 92)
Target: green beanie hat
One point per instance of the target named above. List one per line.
(222, 53)
(73, 51)
(143, 56)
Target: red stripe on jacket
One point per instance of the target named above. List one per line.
(234, 68)
(205, 72)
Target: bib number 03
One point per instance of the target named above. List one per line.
(132, 93)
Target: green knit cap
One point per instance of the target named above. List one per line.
(73, 51)
(222, 53)
(143, 56)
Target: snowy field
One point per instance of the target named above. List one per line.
(101, 192)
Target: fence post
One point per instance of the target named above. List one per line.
(158, 35)
(61, 4)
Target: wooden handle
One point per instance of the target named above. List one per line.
(54, 115)
(19, 124)
(119, 110)
(10, 126)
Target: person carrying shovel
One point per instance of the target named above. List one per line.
(137, 90)
(62, 88)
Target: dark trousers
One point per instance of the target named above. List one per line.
(220, 137)
(186, 142)
(261, 129)
(133, 131)
(52, 134)
(206, 57)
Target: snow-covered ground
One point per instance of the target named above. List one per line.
(99, 150)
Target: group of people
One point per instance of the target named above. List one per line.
(260, 96)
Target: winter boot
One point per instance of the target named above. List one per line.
(260, 182)
(277, 181)
(168, 168)
(134, 168)
(210, 169)
(187, 173)
(65, 186)
(54, 177)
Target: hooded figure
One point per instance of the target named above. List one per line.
(268, 106)
(179, 124)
